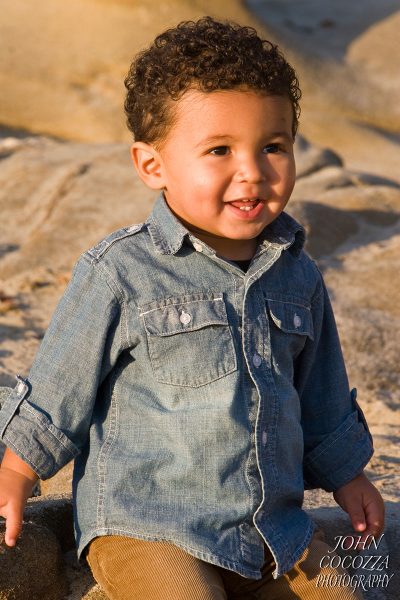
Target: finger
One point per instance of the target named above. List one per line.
(375, 516)
(357, 516)
(13, 526)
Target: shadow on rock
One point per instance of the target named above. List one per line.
(328, 227)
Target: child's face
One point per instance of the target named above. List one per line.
(227, 166)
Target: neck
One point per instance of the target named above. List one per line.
(225, 247)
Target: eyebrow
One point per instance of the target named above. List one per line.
(214, 139)
(284, 134)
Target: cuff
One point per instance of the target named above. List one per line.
(341, 456)
(31, 435)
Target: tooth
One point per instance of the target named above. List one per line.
(247, 208)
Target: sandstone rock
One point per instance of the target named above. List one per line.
(311, 158)
(54, 513)
(327, 227)
(33, 569)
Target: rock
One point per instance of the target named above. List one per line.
(311, 158)
(62, 198)
(32, 570)
(55, 513)
(327, 228)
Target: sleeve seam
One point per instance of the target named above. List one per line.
(120, 297)
(46, 428)
(326, 448)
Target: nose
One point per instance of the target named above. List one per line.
(250, 169)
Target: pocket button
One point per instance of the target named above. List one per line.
(296, 321)
(185, 318)
(257, 360)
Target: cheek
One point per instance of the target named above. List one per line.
(288, 178)
(205, 180)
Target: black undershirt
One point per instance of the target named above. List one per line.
(243, 264)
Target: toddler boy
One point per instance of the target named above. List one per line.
(192, 368)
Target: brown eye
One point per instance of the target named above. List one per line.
(271, 149)
(220, 151)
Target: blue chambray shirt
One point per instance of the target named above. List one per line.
(196, 399)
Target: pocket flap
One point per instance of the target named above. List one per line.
(179, 315)
(291, 317)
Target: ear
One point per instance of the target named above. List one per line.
(147, 162)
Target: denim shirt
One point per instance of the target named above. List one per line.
(197, 400)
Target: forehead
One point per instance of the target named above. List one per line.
(225, 111)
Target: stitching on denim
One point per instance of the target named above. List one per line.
(300, 549)
(160, 241)
(327, 446)
(318, 295)
(289, 302)
(186, 328)
(105, 451)
(126, 325)
(106, 272)
(283, 542)
(184, 303)
(122, 302)
(160, 537)
(330, 483)
(266, 267)
(97, 255)
(57, 434)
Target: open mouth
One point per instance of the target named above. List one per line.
(247, 207)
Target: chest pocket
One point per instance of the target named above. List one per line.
(291, 325)
(189, 339)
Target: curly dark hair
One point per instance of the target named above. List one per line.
(206, 55)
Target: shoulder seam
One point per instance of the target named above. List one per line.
(97, 251)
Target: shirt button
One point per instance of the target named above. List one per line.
(296, 321)
(257, 360)
(264, 438)
(185, 318)
(198, 247)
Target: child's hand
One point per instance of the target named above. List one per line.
(16, 482)
(364, 505)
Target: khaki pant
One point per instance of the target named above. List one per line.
(132, 569)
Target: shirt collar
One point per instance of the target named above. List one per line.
(168, 233)
(286, 232)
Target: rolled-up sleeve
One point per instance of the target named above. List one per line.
(337, 441)
(46, 417)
